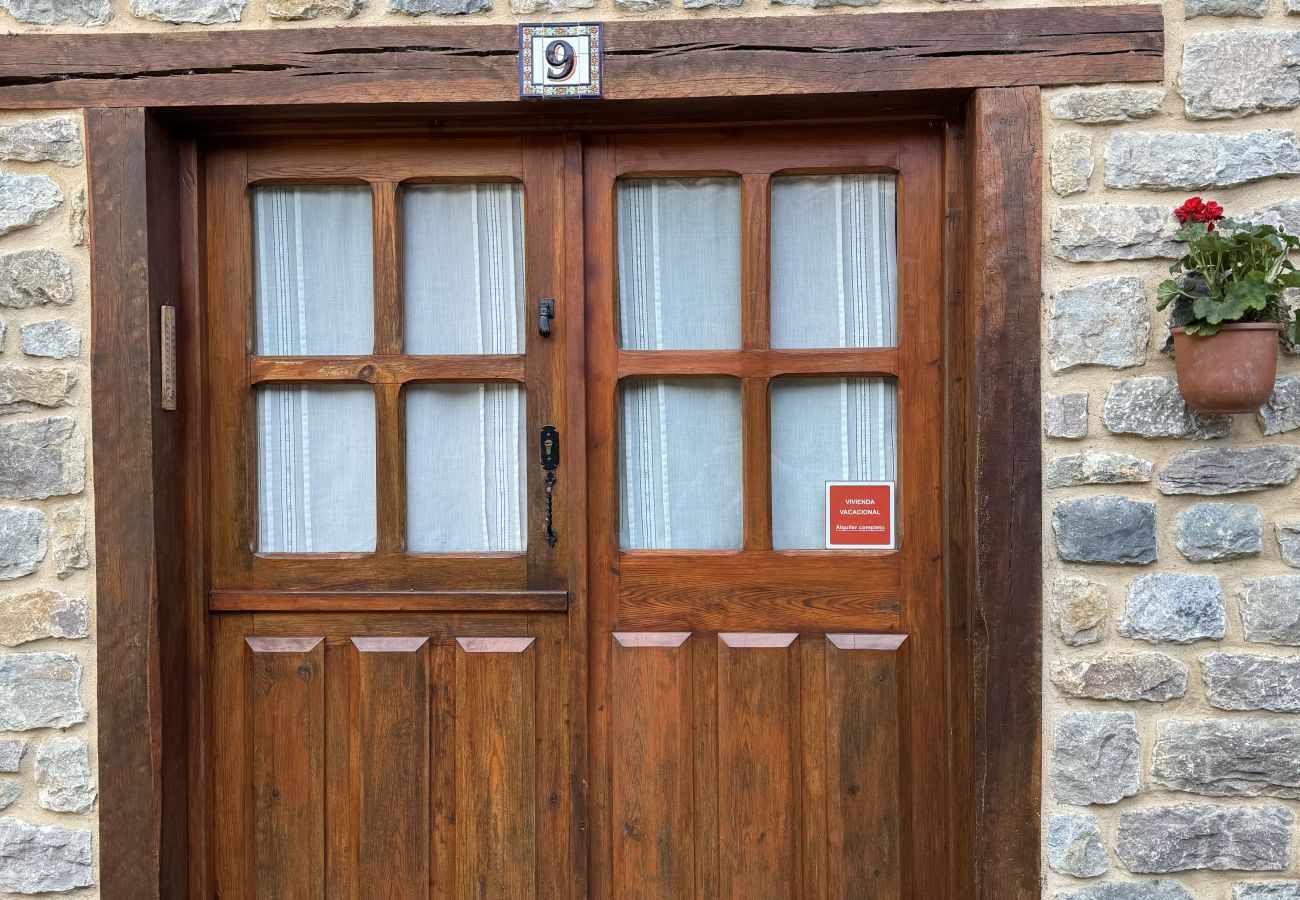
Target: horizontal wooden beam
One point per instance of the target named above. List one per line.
(385, 369)
(388, 601)
(758, 363)
(644, 60)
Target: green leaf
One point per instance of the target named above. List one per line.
(1167, 293)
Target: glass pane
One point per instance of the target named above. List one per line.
(679, 263)
(313, 271)
(465, 479)
(826, 429)
(681, 471)
(834, 261)
(316, 469)
(463, 258)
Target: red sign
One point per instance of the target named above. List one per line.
(859, 515)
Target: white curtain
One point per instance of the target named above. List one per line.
(313, 270)
(463, 256)
(679, 263)
(826, 429)
(682, 464)
(316, 468)
(313, 277)
(834, 261)
(679, 289)
(465, 484)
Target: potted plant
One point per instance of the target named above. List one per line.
(1229, 314)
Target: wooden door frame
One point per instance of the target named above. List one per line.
(145, 205)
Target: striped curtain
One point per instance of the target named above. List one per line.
(834, 284)
(679, 289)
(316, 445)
(463, 253)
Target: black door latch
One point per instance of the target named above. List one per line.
(549, 441)
(545, 312)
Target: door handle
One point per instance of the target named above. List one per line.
(549, 442)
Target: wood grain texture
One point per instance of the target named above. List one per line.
(388, 601)
(644, 60)
(1003, 300)
(140, 510)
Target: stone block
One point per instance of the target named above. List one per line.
(42, 613)
(1152, 407)
(22, 541)
(51, 139)
(60, 12)
(25, 200)
(1183, 162)
(55, 339)
(10, 790)
(1171, 607)
(295, 10)
(63, 776)
(11, 755)
(1159, 889)
(1074, 846)
(1066, 415)
(1288, 539)
(77, 218)
(1242, 757)
(1191, 836)
(40, 690)
(1095, 106)
(1080, 607)
(1096, 467)
(1213, 532)
(23, 389)
(1272, 890)
(41, 458)
(1092, 232)
(1122, 676)
(35, 859)
(1282, 411)
(1270, 609)
(1248, 681)
(68, 539)
(1230, 470)
(441, 7)
(1254, 9)
(1239, 72)
(1071, 163)
(1105, 530)
(189, 12)
(35, 278)
(1100, 323)
(1095, 758)
(529, 7)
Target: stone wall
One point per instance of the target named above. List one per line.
(47, 738)
(1172, 541)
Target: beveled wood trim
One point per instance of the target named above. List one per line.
(388, 601)
(1003, 300)
(385, 369)
(758, 363)
(731, 57)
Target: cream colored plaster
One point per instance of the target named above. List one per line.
(55, 233)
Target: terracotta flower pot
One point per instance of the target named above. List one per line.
(1229, 372)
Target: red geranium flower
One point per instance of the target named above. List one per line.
(1197, 210)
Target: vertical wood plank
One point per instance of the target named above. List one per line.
(390, 468)
(393, 758)
(232, 815)
(495, 768)
(341, 728)
(288, 705)
(863, 731)
(755, 328)
(442, 770)
(756, 419)
(386, 225)
(1004, 136)
(133, 172)
(653, 789)
(758, 767)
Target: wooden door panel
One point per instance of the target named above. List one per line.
(390, 756)
(757, 765)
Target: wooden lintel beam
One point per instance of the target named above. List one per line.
(743, 57)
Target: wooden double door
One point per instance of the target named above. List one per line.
(516, 454)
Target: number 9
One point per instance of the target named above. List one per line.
(561, 59)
